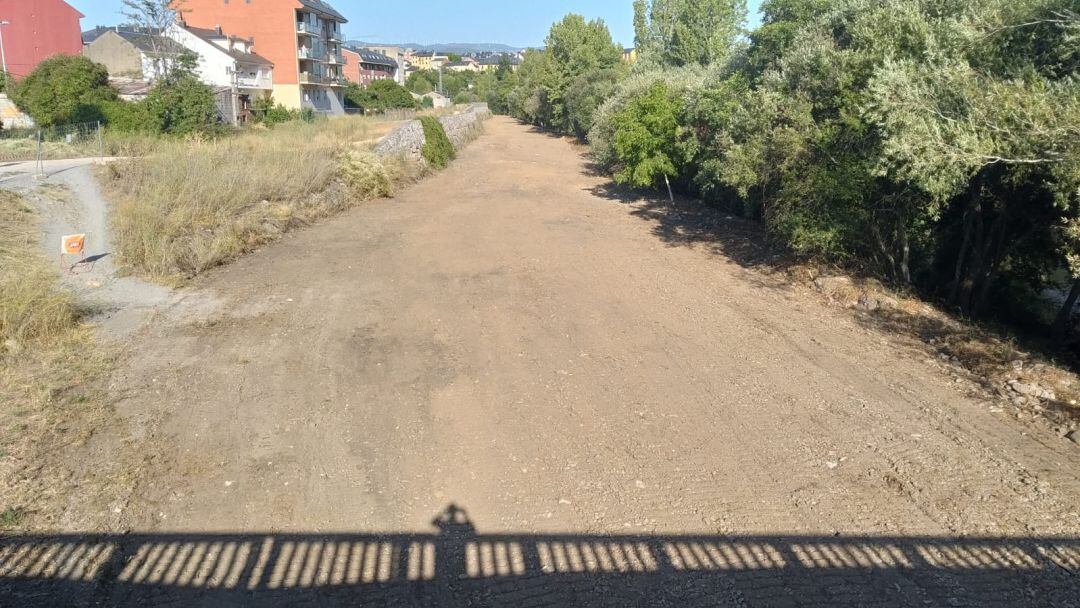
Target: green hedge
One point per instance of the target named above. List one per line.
(437, 151)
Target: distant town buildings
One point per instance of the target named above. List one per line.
(629, 55)
(35, 30)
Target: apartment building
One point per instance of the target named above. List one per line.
(364, 66)
(301, 38)
(398, 54)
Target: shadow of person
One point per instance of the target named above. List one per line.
(455, 532)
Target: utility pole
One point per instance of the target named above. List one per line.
(3, 55)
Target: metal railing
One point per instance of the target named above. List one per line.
(308, 52)
(253, 82)
(309, 78)
(38, 144)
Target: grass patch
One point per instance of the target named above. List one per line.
(51, 369)
(437, 151)
(189, 205)
(12, 517)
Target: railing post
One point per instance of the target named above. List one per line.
(40, 156)
(101, 142)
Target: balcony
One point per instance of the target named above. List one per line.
(338, 81)
(303, 27)
(311, 53)
(335, 58)
(309, 78)
(253, 82)
(335, 35)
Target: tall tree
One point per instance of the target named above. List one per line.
(686, 32)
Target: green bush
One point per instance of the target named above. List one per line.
(646, 133)
(63, 90)
(437, 151)
(129, 117)
(266, 112)
(379, 96)
(183, 105)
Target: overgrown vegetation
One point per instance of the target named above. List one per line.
(189, 205)
(933, 144)
(70, 90)
(437, 151)
(380, 96)
(50, 367)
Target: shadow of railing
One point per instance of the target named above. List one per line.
(458, 567)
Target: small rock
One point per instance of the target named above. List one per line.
(872, 301)
(1031, 390)
(1073, 436)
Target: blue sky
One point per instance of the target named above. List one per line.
(431, 21)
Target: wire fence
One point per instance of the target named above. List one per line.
(39, 144)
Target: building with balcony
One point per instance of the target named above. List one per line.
(229, 64)
(301, 38)
(398, 54)
(365, 66)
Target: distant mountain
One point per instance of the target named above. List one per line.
(458, 48)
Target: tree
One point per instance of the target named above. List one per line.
(575, 47)
(379, 96)
(183, 105)
(154, 17)
(685, 32)
(64, 89)
(646, 139)
(422, 82)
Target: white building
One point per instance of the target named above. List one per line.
(227, 63)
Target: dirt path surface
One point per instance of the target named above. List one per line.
(627, 417)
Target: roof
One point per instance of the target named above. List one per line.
(131, 87)
(147, 40)
(73, 9)
(322, 7)
(460, 64)
(210, 36)
(369, 56)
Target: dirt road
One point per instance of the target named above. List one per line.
(630, 415)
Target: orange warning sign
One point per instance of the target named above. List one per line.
(73, 244)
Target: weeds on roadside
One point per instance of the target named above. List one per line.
(50, 366)
(189, 205)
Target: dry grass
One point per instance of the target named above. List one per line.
(987, 355)
(190, 205)
(51, 371)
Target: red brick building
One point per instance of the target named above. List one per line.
(364, 66)
(37, 30)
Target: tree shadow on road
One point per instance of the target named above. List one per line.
(692, 223)
(459, 566)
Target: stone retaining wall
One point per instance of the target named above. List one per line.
(461, 128)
